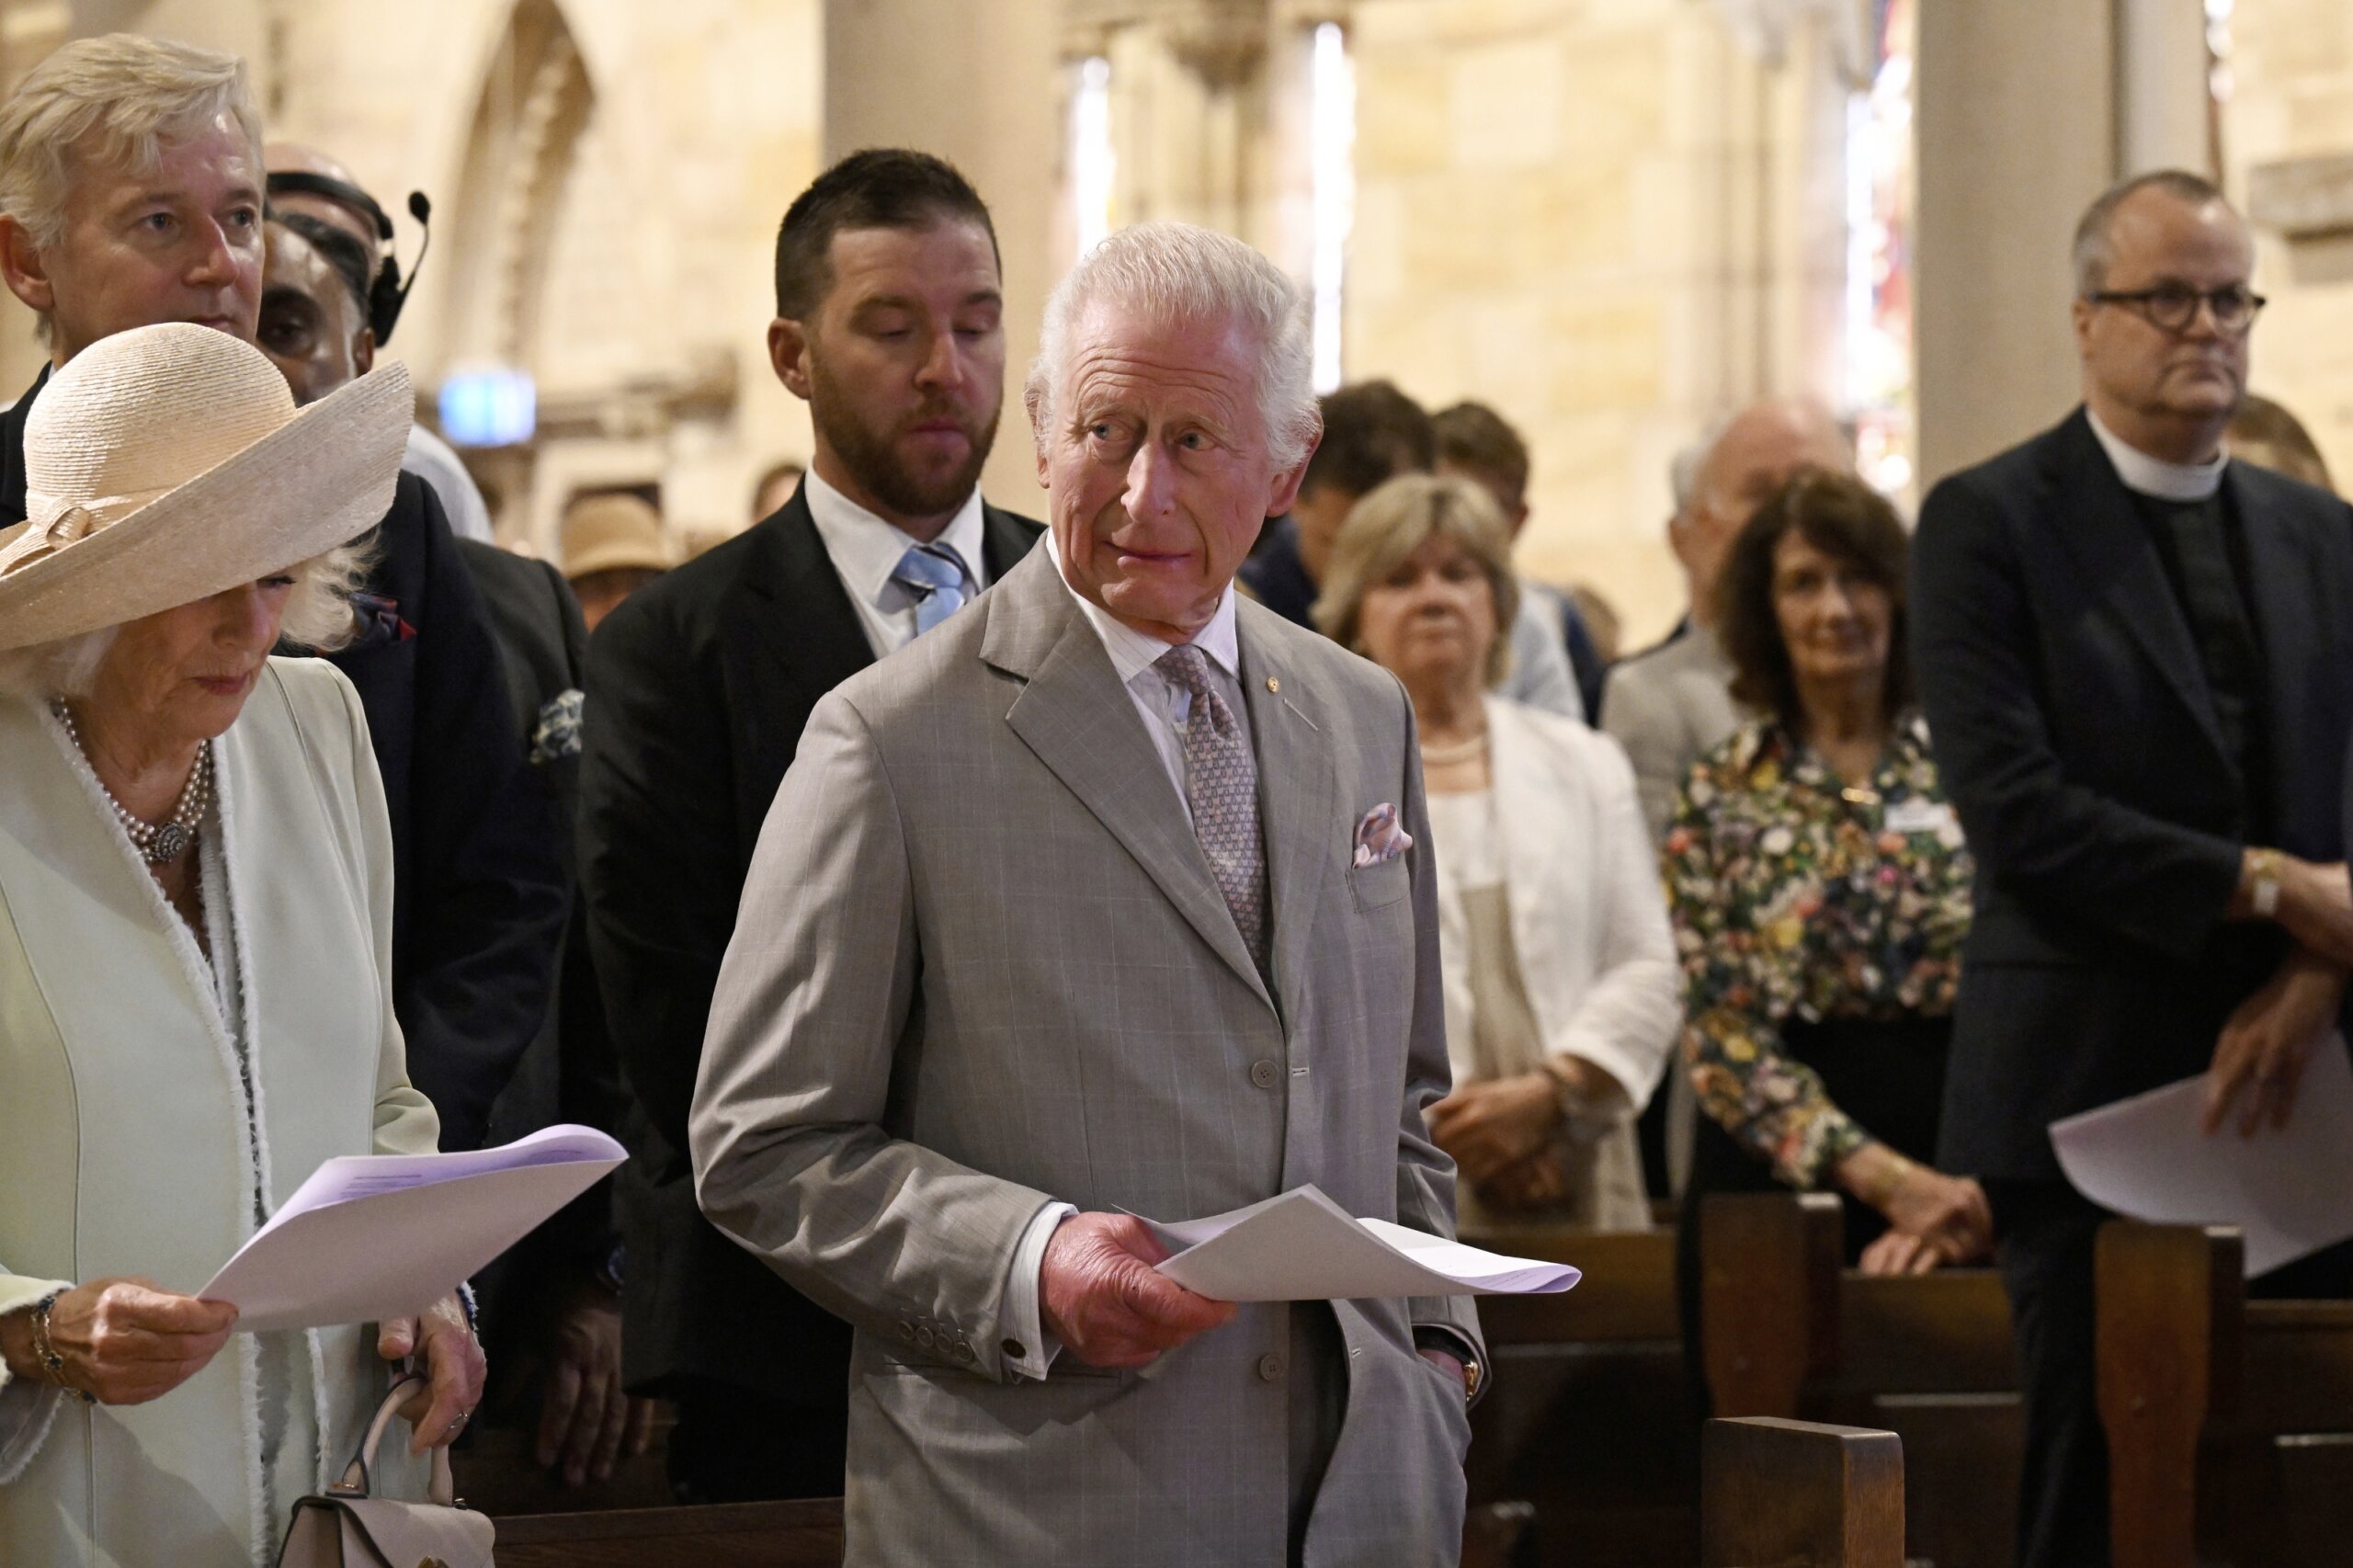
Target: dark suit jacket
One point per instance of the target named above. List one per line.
(1278, 578)
(700, 685)
(12, 452)
(2074, 732)
(569, 1074)
(479, 888)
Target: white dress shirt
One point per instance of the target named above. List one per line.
(1164, 708)
(864, 550)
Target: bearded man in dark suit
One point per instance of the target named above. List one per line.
(889, 307)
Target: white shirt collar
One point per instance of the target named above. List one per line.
(1132, 652)
(866, 549)
(2154, 476)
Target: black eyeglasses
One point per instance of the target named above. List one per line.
(2172, 307)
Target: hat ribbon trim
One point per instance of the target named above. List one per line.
(73, 521)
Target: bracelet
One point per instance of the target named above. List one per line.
(46, 1354)
(1889, 1180)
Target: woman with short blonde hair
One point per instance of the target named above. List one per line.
(1561, 982)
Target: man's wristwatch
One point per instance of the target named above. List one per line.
(2263, 893)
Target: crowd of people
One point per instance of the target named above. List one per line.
(924, 893)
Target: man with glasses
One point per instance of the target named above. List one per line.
(2136, 656)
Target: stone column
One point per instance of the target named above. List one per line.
(975, 83)
(2163, 113)
(2017, 124)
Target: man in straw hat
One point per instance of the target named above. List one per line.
(612, 547)
(196, 904)
(889, 301)
(131, 179)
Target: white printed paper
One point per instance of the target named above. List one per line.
(374, 1236)
(2289, 1190)
(1302, 1247)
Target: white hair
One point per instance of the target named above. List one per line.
(317, 617)
(115, 100)
(1177, 272)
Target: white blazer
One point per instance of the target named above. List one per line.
(1589, 920)
(123, 1145)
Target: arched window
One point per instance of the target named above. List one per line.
(1880, 185)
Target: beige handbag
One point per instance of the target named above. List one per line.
(349, 1527)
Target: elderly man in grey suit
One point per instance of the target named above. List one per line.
(1107, 899)
(1672, 705)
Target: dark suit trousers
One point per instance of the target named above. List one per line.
(735, 1445)
(2044, 1231)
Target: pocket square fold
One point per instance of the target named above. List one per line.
(1380, 836)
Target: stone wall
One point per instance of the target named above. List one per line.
(646, 257)
(2292, 98)
(1607, 220)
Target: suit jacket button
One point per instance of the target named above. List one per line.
(924, 1340)
(907, 1331)
(1265, 1073)
(963, 1350)
(1270, 1369)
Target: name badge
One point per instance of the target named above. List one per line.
(1916, 814)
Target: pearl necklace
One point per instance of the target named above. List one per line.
(1460, 751)
(156, 842)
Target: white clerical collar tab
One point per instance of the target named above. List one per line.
(2154, 476)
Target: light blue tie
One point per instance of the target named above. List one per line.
(935, 575)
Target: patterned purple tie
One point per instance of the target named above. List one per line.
(1221, 787)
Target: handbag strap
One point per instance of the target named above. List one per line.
(358, 1477)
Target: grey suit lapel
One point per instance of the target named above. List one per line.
(1078, 720)
(1299, 801)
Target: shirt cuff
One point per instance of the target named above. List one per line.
(1020, 1323)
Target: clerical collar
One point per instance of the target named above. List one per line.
(2146, 475)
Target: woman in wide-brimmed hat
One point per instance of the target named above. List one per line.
(194, 949)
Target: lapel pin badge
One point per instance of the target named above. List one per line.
(1273, 685)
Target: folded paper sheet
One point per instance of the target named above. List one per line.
(372, 1236)
(2289, 1190)
(1302, 1247)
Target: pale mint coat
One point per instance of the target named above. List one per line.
(123, 1142)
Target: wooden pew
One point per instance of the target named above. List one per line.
(731, 1534)
(809, 1535)
(1590, 1419)
(1789, 1331)
(2229, 1421)
(1787, 1494)
(1795, 1495)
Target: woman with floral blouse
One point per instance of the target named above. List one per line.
(1819, 887)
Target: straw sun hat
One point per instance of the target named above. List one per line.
(168, 463)
(612, 532)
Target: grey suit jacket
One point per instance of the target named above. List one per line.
(980, 963)
(1669, 707)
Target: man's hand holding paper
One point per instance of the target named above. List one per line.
(1102, 1297)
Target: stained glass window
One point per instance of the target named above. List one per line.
(1880, 185)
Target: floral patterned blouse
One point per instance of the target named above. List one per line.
(1794, 895)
